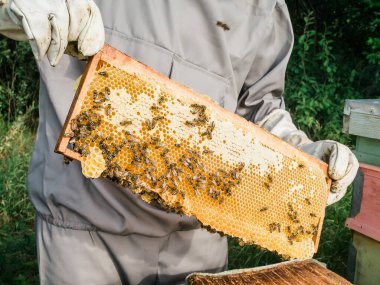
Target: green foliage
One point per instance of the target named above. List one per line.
(18, 79)
(373, 42)
(317, 85)
(18, 263)
(353, 27)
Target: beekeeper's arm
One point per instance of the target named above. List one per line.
(261, 101)
(51, 25)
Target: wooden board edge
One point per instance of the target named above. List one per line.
(118, 59)
(62, 142)
(321, 220)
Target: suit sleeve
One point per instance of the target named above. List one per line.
(8, 27)
(262, 91)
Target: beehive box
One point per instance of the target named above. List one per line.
(362, 119)
(365, 214)
(305, 272)
(367, 252)
(169, 144)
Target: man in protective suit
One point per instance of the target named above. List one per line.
(95, 232)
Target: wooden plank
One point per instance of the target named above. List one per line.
(367, 260)
(63, 141)
(367, 221)
(368, 150)
(306, 272)
(363, 124)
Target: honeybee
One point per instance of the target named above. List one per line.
(154, 140)
(157, 118)
(151, 124)
(104, 96)
(240, 166)
(69, 134)
(308, 201)
(175, 173)
(126, 122)
(263, 209)
(161, 99)
(189, 124)
(223, 25)
(301, 165)
(313, 215)
(108, 109)
(97, 101)
(103, 73)
(164, 152)
(206, 134)
(74, 125)
(67, 160)
(201, 120)
(177, 145)
(290, 206)
(212, 126)
(94, 138)
(107, 90)
(174, 182)
(155, 107)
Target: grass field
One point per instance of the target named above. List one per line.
(18, 262)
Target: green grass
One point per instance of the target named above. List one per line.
(18, 262)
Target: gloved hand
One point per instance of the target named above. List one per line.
(50, 25)
(342, 163)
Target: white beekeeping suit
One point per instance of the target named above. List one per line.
(95, 232)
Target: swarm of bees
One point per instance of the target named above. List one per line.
(188, 168)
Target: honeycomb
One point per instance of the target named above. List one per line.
(171, 145)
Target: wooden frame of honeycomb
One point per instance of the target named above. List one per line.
(165, 142)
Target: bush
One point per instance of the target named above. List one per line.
(317, 85)
(18, 80)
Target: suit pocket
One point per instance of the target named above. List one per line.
(199, 79)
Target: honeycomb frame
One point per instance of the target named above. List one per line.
(272, 150)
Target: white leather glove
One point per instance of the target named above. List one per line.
(50, 25)
(342, 163)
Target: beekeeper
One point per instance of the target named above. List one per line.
(95, 232)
